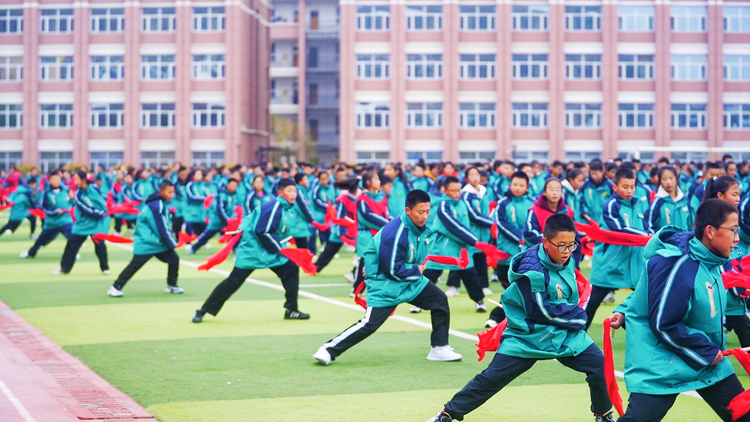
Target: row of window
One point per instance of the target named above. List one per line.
(536, 115)
(536, 67)
(112, 20)
(536, 18)
(112, 116)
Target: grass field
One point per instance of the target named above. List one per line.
(249, 364)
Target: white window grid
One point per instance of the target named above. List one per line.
(689, 67)
(109, 20)
(10, 159)
(378, 157)
(373, 18)
(424, 66)
(106, 159)
(11, 116)
(11, 68)
(530, 18)
(206, 115)
(158, 67)
(207, 159)
(56, 116)
(476, 66)
(107, 68)
(424, 18)
(53, 68)
(585, 156)
(736, 116)
(427, 156)
(477, 116)
(585, 115)
(155, 159)
(736, 18)
(583, 66)
(424, 115)
(157, 116)
(373, 115)
(373, 66)
(50, 160)
(56, 21)
(736, 68)
(583, 18)
(635, 116)
(106, 116)
(158, 19)
(530, 115)
(11, 21)
(530, 66)
(521, 156)
(636, 18)
(638, 67)
(465, 157)
(689, 116)
(209, 19)
(209, 67)
(688, 18)
(477, 18)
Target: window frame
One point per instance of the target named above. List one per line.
(208, 115)
(118, 19)
(108, 66)
(424, 15)
(475, 64)
(577, 118)
(741, 67)
(741, 114)
(532, 116)
(213, 21)
(11, 20)
(477, 116)
(585, 62)
(481, 20)
(675, 19)
(46, 114)
(158, 111)
(198, 69)
(160, 66)
(160, 18)
(374, 19)
(741, 21)
(424, 115)
(649, 67)
(529, 16)
(690, 64)
(520, 61)
(583, 14)
(378, 114)
(375, 63)
(636, 18)
(639, 110)
(424, 64)
(9, 68)
(45, 18)
(11, 112)
(110, 111)
(699, 112)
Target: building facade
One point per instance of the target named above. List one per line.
(133, 82)
(571, 80)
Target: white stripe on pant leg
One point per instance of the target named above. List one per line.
(351, 330)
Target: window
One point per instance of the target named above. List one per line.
(476, 66)
(688, 18)
(380, 157)
(635, 116)
(49, 160)
(11, 69)
(373, 115)
(687, 157)
(475, 156)
(584, 156)
(636, 67)
(583, 116)
(529, 156)
(689, 68)
(107, 116)
(208, 19)
(158, 68)
(583, 18)
(208, 159)
(107, 68)
(636, 18)
(530, 18)
(11, 21)
(107, 20)
(424, 18)
(736, 18)
(415, 156)
(373, 18)
(534, 115)
(476, 115)
(11, 116)
(737, 68)
(208, 115)
(106, 159)
(476, 18)
(689, 116)
(736, 116)
(158, 19)
(583, 66)
(530, 66)
(56, 21)
(156, 158)
(424, 115)
(424, 66)
(56, 116)
(10, 159)
(56, 68)
(373, 66)
(160, 116)
(208, 66)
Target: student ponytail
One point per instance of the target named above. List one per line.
(367, 179)
(671, 169)
(718, 185)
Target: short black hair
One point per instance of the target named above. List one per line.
(520, 175)
(31, 181)
(385, 179)
(558, 223)
(627, 165)
(165, 184)
(83, 175)
(712, 212)
(232, 180)
(573, 173)
(285, 182)
(663, 160)
(299, 176)
(450, 179)
(624, 174)
(610, 166)
(417, 196)
(596, 165)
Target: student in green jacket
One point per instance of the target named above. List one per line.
(595, 191)
(56, 201)
(574, 180)
(674, 319)
(670, 206)
(24, 199)
(302, 215)
(219, 213)
(194, 211)
(153, 239)
(401, 187)
(544, 322)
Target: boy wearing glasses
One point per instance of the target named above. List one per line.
(544, 322)
(613, 266)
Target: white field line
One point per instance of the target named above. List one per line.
(16, 403)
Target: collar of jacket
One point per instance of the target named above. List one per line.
(632, 201)
(662, 193)
(566, 184)
(699, 252)
(547, 263)
(411, 226)
(452, 202)
(154, 197)
(284, 203)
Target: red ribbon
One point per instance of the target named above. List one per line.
(332, 217)
(321, 227)
(207, 201)
(613, 389)
(613, 238)
(122, 209)
(220, 256)
(461, 262)
(184, 238)
(348, 241)
(301, 257)
(740, 405)
(8, 205)
(359, 300)
(37, 213)
(493, 254)
(587, 246)
(493, 231)
(99, 237)
(734, 279)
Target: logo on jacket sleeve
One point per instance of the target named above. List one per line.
(710, 290)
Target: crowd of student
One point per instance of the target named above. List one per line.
(519, 224)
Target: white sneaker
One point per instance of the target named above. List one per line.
(481, 307)
(85, 245)
(58, 271)
(350, 248)
(188, 248)
(174, 290)
(350, 277)
(24, 255)
(486, 291)
(322, 356)
(33, 237)
(114, 292)
(452, 291)
(415, 310)
(8, 232)
(314, 259)
(356, 261)
(78, 256)
(443, 354)
(106, 272)
(610, 298)
(491, 323)
(118, 233)
(494, 278)
(207, 246)
(336, 256)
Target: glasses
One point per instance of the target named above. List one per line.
(564, 248)
(735, 230)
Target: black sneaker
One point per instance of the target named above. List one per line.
(607, 417)
(443, 416)
(198, 318)
(295, 315)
